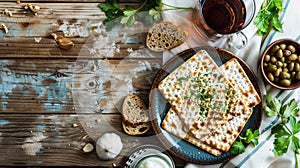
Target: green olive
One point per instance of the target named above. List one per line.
(297, 76)
(285, 75)
(282, 59)
(291, 48)
(287, 53)
(272, 68)
(291, 66)
(293, 57)
(279, 64)
(277, 72)
(267, 58)
(293, 74)
(285, 70)
(279, 53)
(285, 82)
(270, 76)
(276, 79)
(297, 67)
(282, 46)
(273, 60)
(275, 48)
(266, 64)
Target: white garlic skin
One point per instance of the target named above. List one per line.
(109, 146)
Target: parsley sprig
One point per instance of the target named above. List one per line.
(268, 17)
(149, 11)
(250, 137)
(284, 132)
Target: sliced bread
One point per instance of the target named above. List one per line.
(135, 118)
(164, 36)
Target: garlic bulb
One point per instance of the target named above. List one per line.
(108, 146)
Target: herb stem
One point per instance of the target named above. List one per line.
(296, 160)
(175, 7)
(287, 128)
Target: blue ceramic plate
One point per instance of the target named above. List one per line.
(159, 107)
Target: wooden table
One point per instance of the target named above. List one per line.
(54, 101)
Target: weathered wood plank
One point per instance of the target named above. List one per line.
(37, 47)
(74, 19)
(72, 86)
(52, 140)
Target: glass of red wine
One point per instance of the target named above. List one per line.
(216, 18)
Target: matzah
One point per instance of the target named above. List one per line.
(238, 78)
(223, 137)
(198, 92)
(173, 124)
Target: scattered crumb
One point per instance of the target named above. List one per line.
(85, 137)
(91, 126)
(37, 39)
(18, 1)
(130, 50)
(75, 125)
(98, 120)
(33, 8)
(114, 165)
(4, 28)
(7, 12)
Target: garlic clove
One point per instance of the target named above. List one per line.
(4, 28)
(63, 42)
(88, 148)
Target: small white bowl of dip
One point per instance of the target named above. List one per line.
(149, 156)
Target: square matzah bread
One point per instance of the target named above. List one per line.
(238, 78)
(173, 124)
(198, 92)
(223, 137)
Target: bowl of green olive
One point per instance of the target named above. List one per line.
(280, 64)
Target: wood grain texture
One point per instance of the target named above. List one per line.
(45, 90)
(52, 140)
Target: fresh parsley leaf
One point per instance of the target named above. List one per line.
(268, 17)
(128, 20)
(279, 131)
(237, 147)
(295, 144)
(294, 125)
(290, 109)
(252, 137)
(273, 106)
(281, 145)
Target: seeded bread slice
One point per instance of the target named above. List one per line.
(164, 36)
(135, 118)
(134, 110)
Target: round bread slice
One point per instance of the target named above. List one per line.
(134, 110)
(135, 118)
(165, 36)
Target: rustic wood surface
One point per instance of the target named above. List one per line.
(54, 101)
